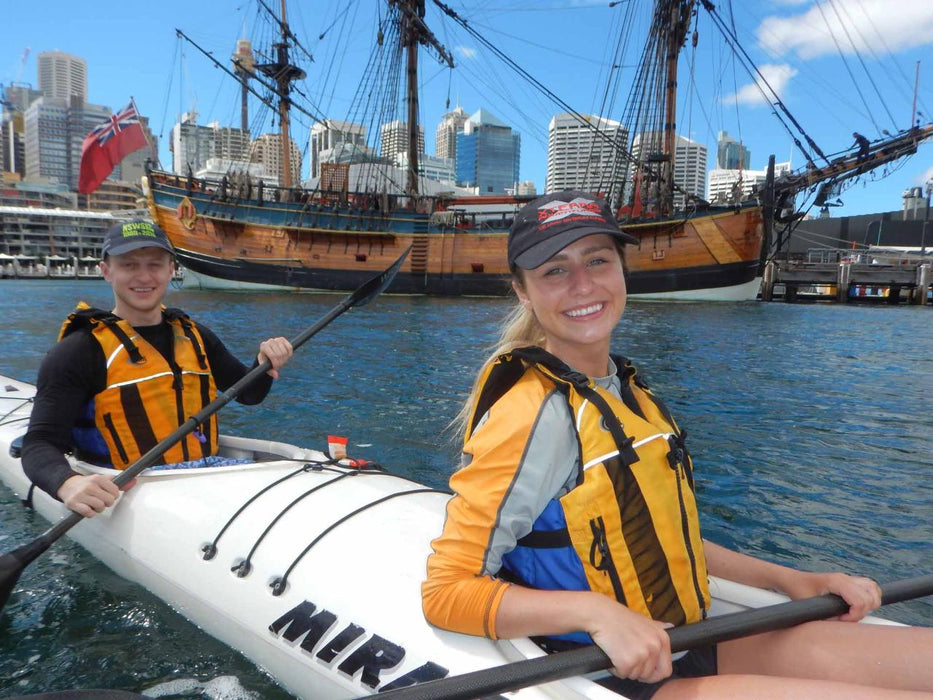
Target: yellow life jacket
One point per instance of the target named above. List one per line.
(147, 396)
(630, 527)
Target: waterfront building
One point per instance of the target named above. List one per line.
(393, 140)
(113, 195)
(488, 155)
(388, 178)
(451, 124)
(62, 76)
(526, 189)
(732, 186)
(334, 141)
(585, 155)
(689, 163)
(731, 154)
(192, 145)
(16, 192)
(38, 242)
(267, 151)
(218, 168)
(431, 167)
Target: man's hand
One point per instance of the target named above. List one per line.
(278, 351)
(89, 494)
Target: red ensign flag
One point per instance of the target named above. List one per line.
(107, 145)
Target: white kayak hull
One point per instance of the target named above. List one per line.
(348, 620)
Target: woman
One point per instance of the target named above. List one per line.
(574, 519)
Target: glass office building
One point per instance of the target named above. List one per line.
(488, 155)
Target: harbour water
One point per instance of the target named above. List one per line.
(811, 428)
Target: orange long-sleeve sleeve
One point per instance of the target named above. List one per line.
(461, 592)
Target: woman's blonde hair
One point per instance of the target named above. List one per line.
(519, 328)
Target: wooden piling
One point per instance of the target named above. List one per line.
(767, 282)
(843, 277)
(924, 279)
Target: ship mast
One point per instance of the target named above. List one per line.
(283, 73)
(675, 22)
(413, 31)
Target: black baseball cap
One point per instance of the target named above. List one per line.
(125, 236)
(547, 225)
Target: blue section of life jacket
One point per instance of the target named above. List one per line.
(89, 443)
(549, 568)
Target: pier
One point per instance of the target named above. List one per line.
(885, 275)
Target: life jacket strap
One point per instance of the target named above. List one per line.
(188, 330)
(582, 384)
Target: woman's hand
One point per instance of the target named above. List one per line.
(638, 646)
(862, 594)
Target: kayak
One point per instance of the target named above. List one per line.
(310, 567)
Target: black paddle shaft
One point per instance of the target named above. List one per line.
(13, 563)
(510, 677)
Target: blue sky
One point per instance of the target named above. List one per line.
(830, 88)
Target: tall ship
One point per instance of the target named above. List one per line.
(357, 217)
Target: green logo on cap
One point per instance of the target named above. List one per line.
(138, 228)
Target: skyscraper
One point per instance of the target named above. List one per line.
(488, 155)
(689, 163)
(16, 99)
(267, 150)
(192, 145)
(334, 141)
(585, 155)
(445, 136)
(731, 154)
(62, 75)
(55, 129)
(393, 138)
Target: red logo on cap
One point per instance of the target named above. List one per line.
(556, 211)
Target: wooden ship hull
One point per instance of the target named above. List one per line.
(317, 243)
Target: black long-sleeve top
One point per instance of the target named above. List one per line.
(75, 370)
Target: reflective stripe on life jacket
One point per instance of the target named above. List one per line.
(629, 528)
(147, 396)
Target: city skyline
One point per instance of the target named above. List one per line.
(119, 69)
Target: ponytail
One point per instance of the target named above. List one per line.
(519, 328)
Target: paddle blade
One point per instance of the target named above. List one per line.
(13, 563)
(378, 284)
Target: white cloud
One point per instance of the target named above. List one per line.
(466, 52)
(776, 75)
(876, 25)
(926, 176)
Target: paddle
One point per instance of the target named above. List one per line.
(13, 563)
(503, 679)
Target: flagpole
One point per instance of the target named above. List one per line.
(149, 143)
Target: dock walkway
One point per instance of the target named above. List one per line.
(891, 276)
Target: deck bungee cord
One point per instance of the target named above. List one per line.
(209, 551)
(243, 568)
(279, 585)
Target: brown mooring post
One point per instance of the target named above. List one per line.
(842, 282)
(924, 278)
(767, 282)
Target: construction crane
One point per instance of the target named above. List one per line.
(22, 65)
(6, 99)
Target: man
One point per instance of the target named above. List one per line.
(863, 146)
(119, 382)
